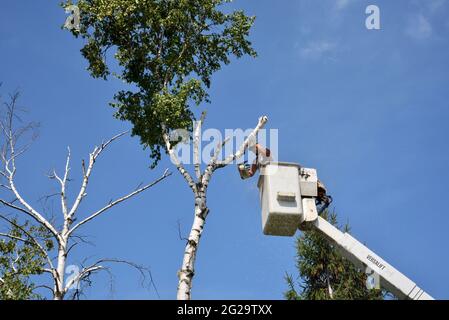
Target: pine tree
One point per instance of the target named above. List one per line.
(324, 273)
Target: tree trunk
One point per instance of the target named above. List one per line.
(199, 189)
(58, 293)
(188, 264)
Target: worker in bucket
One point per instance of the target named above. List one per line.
(263, 156)
(323, 200)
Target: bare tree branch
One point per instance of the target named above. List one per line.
(5, 187)
(251, 138)
(32, 239)
(196, 143)
(43, 286)
(63, 182)
(9, 160)
(212, 166)
(98, 266)
(115, 202)
(181, 237)
(92, 157)
(12, 206)
(6, 235)
(176, 161)
(30, 210)
(187, 271)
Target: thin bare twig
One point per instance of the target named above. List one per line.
(180, 233)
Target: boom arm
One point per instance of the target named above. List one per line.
(390, 278)
(287, 194)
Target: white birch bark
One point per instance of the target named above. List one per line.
(199, 188)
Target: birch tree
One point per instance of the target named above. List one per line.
(167, 51)
(198, 183)
(62, 231)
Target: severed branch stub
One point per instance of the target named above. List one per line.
(199, 187)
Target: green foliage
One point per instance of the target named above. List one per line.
(167, 50)
(20, 260)
(320, 264)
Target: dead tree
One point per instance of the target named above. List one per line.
(64, 233)
(199, 187)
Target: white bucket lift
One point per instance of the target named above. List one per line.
(280, 198)
(287, 195)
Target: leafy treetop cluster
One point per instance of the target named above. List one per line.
(167, 50)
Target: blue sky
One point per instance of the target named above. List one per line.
(367, 108)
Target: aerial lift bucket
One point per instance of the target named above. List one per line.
(286, 192)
